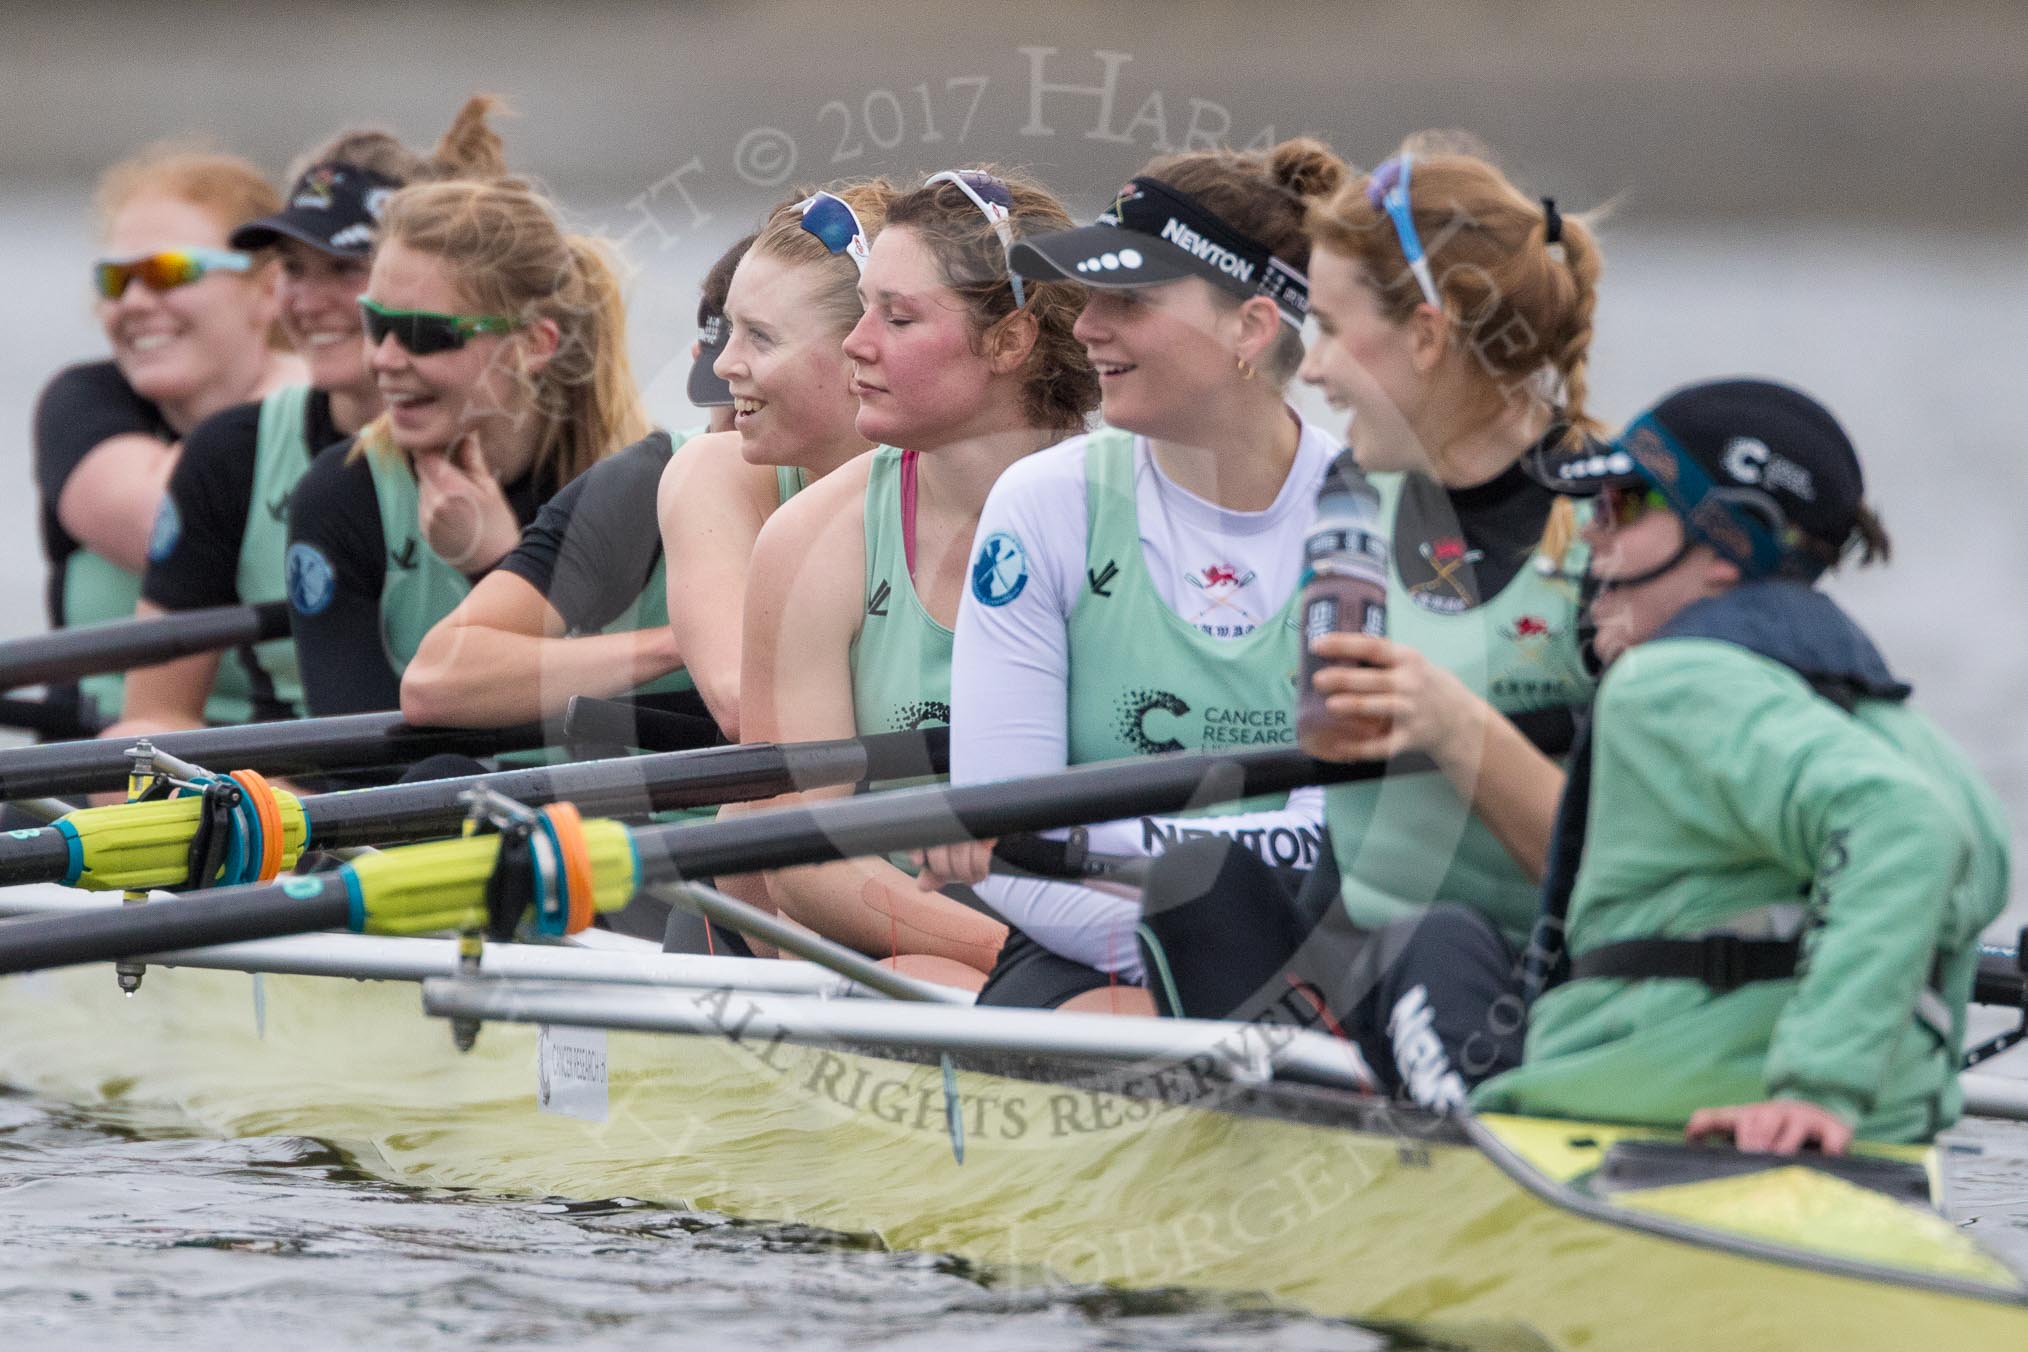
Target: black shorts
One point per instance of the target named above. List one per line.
(1432, 1000)
(1029, 976)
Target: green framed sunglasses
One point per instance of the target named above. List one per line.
(422, 332)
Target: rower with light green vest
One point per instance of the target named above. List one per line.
(790, 301)
(581, 604)
(855, 586)
(222, 532)
(189, 322)
(1773, 933)
(1133, 589)
(1455, 321)
(504, 376)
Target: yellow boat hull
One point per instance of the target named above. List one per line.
(1291, 1195)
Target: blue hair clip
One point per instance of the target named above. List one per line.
(1387, 189)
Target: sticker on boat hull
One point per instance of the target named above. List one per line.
(570, 1071)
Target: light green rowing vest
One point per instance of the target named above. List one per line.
(1410, 840)
(1144, 680)
(281, 455)
(419, 588)
(97, 590)
(901, 656)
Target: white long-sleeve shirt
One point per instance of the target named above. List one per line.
(1226, 572)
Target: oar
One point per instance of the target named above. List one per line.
(303, 746)
(49, 719)
(119, 645)
(442, 885)
(137, 846)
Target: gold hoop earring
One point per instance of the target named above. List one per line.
(1246, 372)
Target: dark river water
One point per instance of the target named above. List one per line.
(124, 1233)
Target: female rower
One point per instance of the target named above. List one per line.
(1455, 316)
(498, 345)
(1774, 932)
(855, 585)
(222, 531)
(793, 299)
(580, 606)
(191, 324)
(1132, 589)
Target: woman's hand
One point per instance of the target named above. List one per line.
(1384, 698)
(465, 517)
(941, 866)
(1778, 1127)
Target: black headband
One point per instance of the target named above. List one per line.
(1155, 233)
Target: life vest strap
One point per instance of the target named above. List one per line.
(1725, 962)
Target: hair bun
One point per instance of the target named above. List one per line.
(1307, 167)
(470, 148)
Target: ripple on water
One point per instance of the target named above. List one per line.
(114, 1231)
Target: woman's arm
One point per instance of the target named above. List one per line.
(803, 601)
(501, 658)
(1385, 699)
(109, 502)
(101, 460)
(711, 505)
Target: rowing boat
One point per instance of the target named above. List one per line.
(1041, 1146)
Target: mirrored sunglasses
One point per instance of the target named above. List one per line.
(164, 269)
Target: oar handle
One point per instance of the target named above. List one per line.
(2003, 977)
(90, 650)
(883, 823)
(260, 912)
(304, 746)
(628, 723)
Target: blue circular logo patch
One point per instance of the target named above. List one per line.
(302, 889)
(167, 531)
(311, 579)
(1000, 571)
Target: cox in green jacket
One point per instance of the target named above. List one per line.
(1728, 795)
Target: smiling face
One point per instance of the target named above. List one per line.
(1364, 363)
(320, 315)
(203, 344)
(1152, 344)
(791, 384)
(434, 400)
(919, 375)
(1627, 615)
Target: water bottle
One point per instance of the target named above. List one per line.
(1344, 576)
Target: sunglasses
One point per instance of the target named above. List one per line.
(164, 269)
(831, 219)
(996, 203)
(1388, 190)
(1620, 507)
(422, 332)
